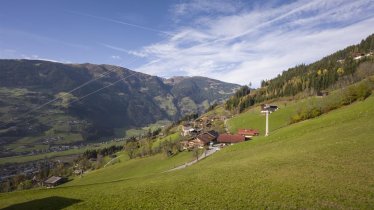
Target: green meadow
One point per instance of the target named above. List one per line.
(254, 119)
(171, 138)
(321, 163)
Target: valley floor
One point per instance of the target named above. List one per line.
(323, 163)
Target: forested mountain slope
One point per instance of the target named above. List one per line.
(78, 102)
(337, 70)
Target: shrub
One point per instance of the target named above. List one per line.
(331, 102)
(347, 96)
(296, 118)
(363, 91)
(314, 112)
(27, 184)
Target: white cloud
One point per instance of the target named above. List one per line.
(116, 57)
(37, 57)
(115, 48)
(202, 6)
(130, 52)
(257, 44)
(137, 54)
(121, 22)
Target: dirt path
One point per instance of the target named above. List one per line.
(204, 155)
(111, 161)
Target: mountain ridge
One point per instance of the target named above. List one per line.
(91, 100)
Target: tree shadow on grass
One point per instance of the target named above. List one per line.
(53, 202)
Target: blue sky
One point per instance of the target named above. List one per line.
(234, 40)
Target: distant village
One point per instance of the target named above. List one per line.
(198, 133)
(33, 170)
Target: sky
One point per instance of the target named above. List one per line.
(237, 41)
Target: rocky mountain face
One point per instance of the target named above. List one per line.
(41, 98)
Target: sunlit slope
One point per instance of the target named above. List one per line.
(125, 168)
(326, 162)
(253, 118)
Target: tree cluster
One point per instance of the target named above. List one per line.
(46, 168)
(144, 147)
(239, 100)
(341, 98)
(93, 153)
(187, 117)
(339, 68)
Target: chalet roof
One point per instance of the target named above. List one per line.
(53, 180)
(229, 138)
(268, 106)
(208, 136)
(356, 54)
(213, 133)
(251, 132)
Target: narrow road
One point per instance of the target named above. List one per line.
(202, 156)
(111, 160)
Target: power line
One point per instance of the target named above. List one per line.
(98, 90)
(112, 69)
(55, 99)
(67, 93)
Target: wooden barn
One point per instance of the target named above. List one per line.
(230, 138)
(248, 133)
(53, 181)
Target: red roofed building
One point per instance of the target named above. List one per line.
(229, 138)
(248, 133)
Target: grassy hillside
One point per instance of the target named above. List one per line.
(126, 168)
(323, 163)
(300, 109)
(254, 119)
(172, 138)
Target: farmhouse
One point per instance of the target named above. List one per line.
(267, 107)
(204, 139)
(54, 181)
(196, 143)
(358, 56)
(186, 129)
(184, 144)
(204, 122)
(207, 137)
(230, 139)
(248, 133)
